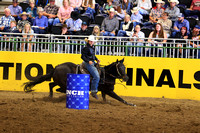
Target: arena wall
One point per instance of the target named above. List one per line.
(148, 77)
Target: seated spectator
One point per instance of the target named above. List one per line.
(108, 6)
(40, 23)
(96, 32)
(155, 14)
(28, 36)
(89, 7)
(74, 23)
(63, 13)
(84, 30)
(136, 17)
(194, 9)
(110, 24)
(126, 26)
(196, 40)
(32, 11)
(173, 10)
(41, 3)
(126, 6)
(180, 23)
(138, 36)
(119, 13)
(76, 4)
(154, 40)
(23, 21)
(166, 23)
(182, 34)
(12, 29)
(5, 20)
(144, 6)
(51, 11)
(15, 10)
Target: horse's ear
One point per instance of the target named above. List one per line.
(117, 61)
(122, 60)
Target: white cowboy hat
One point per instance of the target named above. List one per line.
(159, 1)
(112, 10)
(135, 9)
(176, 1)
(91, 38)
(23, 13)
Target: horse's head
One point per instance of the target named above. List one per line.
(121, 70)
(118, 70)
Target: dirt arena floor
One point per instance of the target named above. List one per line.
(34, 112)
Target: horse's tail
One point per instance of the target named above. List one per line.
(29, 85)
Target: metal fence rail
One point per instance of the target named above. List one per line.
(118, 46)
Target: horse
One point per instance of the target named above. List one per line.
(115, 70)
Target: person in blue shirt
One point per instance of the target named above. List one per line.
(126, 6)
(180, 23)
(15, 10)
(40, 23)
(136, 17)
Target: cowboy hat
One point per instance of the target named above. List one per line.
(24, 13)
(111, 10)
(159, 1)
(135, 9)
(91, 38)
(176, 1)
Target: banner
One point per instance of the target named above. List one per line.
(148, 76)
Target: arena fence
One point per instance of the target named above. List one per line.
(116, 46)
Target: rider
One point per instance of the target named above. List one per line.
(88, 56)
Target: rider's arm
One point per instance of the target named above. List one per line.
(84, 55)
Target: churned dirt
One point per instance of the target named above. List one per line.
(34, 112)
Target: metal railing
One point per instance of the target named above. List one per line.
(118, 46)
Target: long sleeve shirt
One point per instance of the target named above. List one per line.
(146, 4)
(74, 24)
(110, 24)
(185, 23)
(41, 22)
(88, 53)
(15, 10)
(166, 24)
(137, 17)
(173, 13)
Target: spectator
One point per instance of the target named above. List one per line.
(166, 23)
(119, 12)
(5, 20)
(108, 6)
(96, 32)
(155, 14)
(136, 17)
(28, 36)
(76, 4)
(138, 36)
(40, 23)
(110, 24)
(63, 13)
(23, 21)
(41, 3)
(126, 26)
(182, 34)
(194, 9)
(84, 30)
(196, 39)
(173, 10)
(126, 6)
(12, 29)
(180, 23)
(51, 12)
(154, 40)
(15, 10)
(89, 7)
(144, 6)
(74, 23)
(32, 11)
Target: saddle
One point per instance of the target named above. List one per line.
(81, 69)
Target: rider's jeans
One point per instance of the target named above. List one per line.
(95, 81)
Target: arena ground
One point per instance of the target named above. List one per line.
(34, 112)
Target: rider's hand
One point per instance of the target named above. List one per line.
(90, 62)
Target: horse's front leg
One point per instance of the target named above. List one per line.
(115, 96)
(51, 85)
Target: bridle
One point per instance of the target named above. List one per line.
(119, 75)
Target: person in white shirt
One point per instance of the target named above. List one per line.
(144, 6)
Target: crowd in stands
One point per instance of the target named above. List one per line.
(124, 18)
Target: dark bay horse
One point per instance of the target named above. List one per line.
(116, 70)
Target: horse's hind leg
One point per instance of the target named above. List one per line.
(51, 85)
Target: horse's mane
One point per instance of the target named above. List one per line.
(109, 65)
